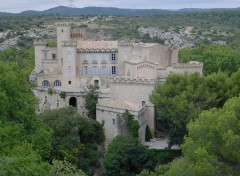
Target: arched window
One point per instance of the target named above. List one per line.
(57, 83)
(45, 83)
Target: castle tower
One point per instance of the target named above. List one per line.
(124, 55)
(39, 55)
(63, 34)
(69, 54)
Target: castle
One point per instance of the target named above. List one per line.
(125, 72)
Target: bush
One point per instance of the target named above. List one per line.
(50, 91)
(62, 95)
(148, 134)
(52, 43)
(164, 156)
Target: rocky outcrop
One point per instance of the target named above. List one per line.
(170, 38)
(97, 34)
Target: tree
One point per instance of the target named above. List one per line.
(214, 57)
(126, 156)
(219, 86)
(17, 107)
(148, 134)
(23, 160)
(91, 100)
(75, 139)
(179, 100)
(64, 168)
(159, 170)
(212, 145)
(24, 139)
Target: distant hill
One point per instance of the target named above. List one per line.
(62, 10)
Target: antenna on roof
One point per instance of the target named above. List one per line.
(71, 3)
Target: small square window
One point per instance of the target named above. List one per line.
(53, 56)
(69, 82)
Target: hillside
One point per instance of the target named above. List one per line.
(62, 10)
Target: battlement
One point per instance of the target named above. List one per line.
(62, 24)
(77, 33)
(40, 43)
(192, 64)
(132, 81)
(69, 43)
(125, 43)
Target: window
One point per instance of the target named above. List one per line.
(53, 56)
(94, 70)
(104, 70)
(57, 83)
(62, 30)
(113, 70)
(143, 103)
(113, 57)
(69, 82)
(85, 59)
(85, 69)
(45, 83)
(94, 58)
(104, 58)
(113, 121)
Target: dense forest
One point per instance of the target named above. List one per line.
(199, 113)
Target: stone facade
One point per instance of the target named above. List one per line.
(125, 72)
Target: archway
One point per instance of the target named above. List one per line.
(73, 102)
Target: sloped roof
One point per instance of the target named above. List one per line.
(97, 45)
(121, 104)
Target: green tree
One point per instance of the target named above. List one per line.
(76, 139)
(64, 168)
(91, 101)
(132, 125)
(214, 57)
(219, 86)
(148, 134)
(126, 156)
(23, 160)
(179, 100)
(52, 43)
(211, 147)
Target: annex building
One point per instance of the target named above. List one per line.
(125, 72)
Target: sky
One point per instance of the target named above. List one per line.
(16, 6)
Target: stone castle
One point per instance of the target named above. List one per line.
(125, 72)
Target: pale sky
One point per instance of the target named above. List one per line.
(16, 6)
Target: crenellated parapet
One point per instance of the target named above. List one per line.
(91, 50)
(62, 24)
(131, 81)
(69, 43)
(40, 43)
(123, 43)
(192, 64)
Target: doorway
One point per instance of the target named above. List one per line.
(73, 102)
